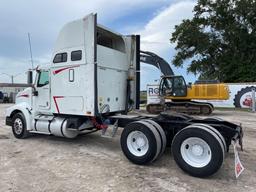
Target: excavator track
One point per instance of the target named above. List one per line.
(187, 107)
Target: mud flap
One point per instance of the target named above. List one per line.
(239, 168)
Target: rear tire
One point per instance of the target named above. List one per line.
(213, 119)
(223, 142)
(19, 126)
(162, 135)
(198, 151)
(140, 142)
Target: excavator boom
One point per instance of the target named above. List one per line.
(153, 59)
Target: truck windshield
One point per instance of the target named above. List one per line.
(43, 78)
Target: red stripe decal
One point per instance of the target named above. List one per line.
(63, 69)
(55, 101)
(23, 95)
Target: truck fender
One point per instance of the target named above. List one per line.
(23, 108)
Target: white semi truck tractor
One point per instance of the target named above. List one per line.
(91, 82)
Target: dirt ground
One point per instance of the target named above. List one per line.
(93, 163)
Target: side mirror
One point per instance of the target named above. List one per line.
(35, 92)
(30, 77)
(189, 85)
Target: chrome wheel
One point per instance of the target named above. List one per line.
(196, 152)
(137, 143)
(18, 126)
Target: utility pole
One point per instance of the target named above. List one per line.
(11, 76)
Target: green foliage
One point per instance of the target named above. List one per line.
(220, 40)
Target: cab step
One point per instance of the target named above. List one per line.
(110, 134)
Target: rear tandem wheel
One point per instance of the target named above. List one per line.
(142, 142)
(198, 150)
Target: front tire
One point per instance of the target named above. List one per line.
(198, 151)
(19, 126)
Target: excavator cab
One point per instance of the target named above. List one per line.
(174, 86)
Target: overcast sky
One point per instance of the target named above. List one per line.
(154, 20)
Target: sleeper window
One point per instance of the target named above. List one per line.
(60, 58)
(76, 55)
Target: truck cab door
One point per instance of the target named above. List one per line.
(42, 91)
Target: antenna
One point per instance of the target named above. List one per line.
(29, 41)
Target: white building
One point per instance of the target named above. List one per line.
(9, 91)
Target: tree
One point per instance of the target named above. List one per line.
(219, 41)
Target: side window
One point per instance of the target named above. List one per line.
(76, 55)
(43, 79)
(166, 86)
(60, 58)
